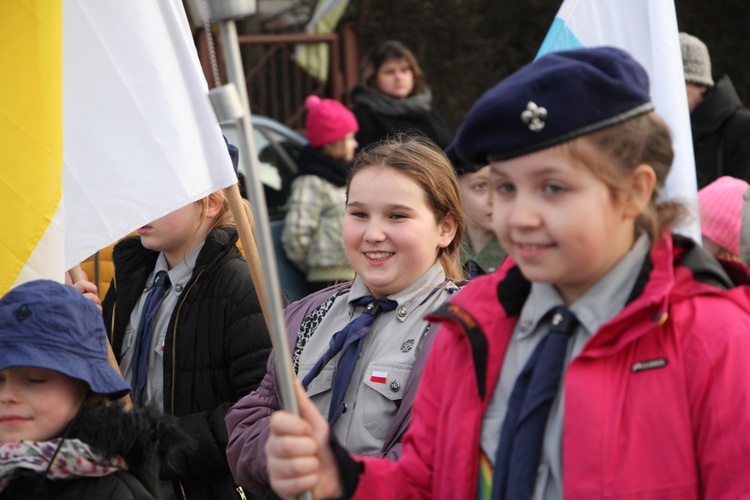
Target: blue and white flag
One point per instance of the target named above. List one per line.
(647, 29)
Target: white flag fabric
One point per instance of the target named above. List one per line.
(647, 29)
(105, 125)
(140, 136)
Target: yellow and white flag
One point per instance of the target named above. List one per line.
(105, 125)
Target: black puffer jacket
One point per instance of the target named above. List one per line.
(215, 351)
(721, 135)
(145, 438)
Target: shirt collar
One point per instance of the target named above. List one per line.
(410, 297)
(599, 304)
(180, 274)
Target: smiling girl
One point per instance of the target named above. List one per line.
(60, 436)
(605, 358)
(400, 231)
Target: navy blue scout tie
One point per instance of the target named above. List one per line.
(145, 333)
(349, 342)
(519, 453)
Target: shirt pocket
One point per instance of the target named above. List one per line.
(320, 385)
(385, 383)
(159, 348)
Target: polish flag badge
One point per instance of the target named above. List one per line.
(378, 377)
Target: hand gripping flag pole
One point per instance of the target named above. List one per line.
(230, 103)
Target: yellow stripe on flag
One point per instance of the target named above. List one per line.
(31, 135)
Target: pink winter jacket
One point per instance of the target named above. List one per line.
(657, 405)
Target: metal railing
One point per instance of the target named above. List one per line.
(276, 85)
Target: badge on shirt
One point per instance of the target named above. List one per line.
(378, 377)
(407, 345)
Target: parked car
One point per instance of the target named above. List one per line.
(278, 148)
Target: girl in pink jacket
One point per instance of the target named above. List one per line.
(605, 358)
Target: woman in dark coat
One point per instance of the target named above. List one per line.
(394, 98)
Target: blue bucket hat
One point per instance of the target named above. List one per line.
(558, 97)
(44, 324)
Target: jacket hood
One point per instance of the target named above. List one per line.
(720, 103)
(674, 266)
(147, 439)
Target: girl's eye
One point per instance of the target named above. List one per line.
(553, 188)
(359, 215)
(397, 216)
(504, 188)
(37, 380)
(480, 186)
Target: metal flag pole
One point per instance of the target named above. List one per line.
(230, 102)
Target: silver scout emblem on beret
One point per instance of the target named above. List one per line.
(534, 116)
(407, 345)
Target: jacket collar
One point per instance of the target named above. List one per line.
(676, 268)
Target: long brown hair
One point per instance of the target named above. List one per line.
(421, 160)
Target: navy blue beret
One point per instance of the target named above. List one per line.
(234, 154)
(460, 165)
(556, 98)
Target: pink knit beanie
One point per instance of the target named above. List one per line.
(721, 211)
(327, 121)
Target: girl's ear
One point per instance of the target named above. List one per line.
(642, 182)
(448, 229)
(215, 203)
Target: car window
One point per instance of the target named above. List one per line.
(279, 153)
(277, 160)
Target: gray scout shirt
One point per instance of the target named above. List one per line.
(178, 278)
(598, 305)
(388, 353)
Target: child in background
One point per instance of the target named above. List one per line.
(481, 252)
(721, 206)
(312, 231)
(606, 358)
(201, 349)
(60, 437)
(401, 234)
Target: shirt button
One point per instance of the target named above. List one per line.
(395, 386)
(178, 288)
(525, 326)
(402, 312)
